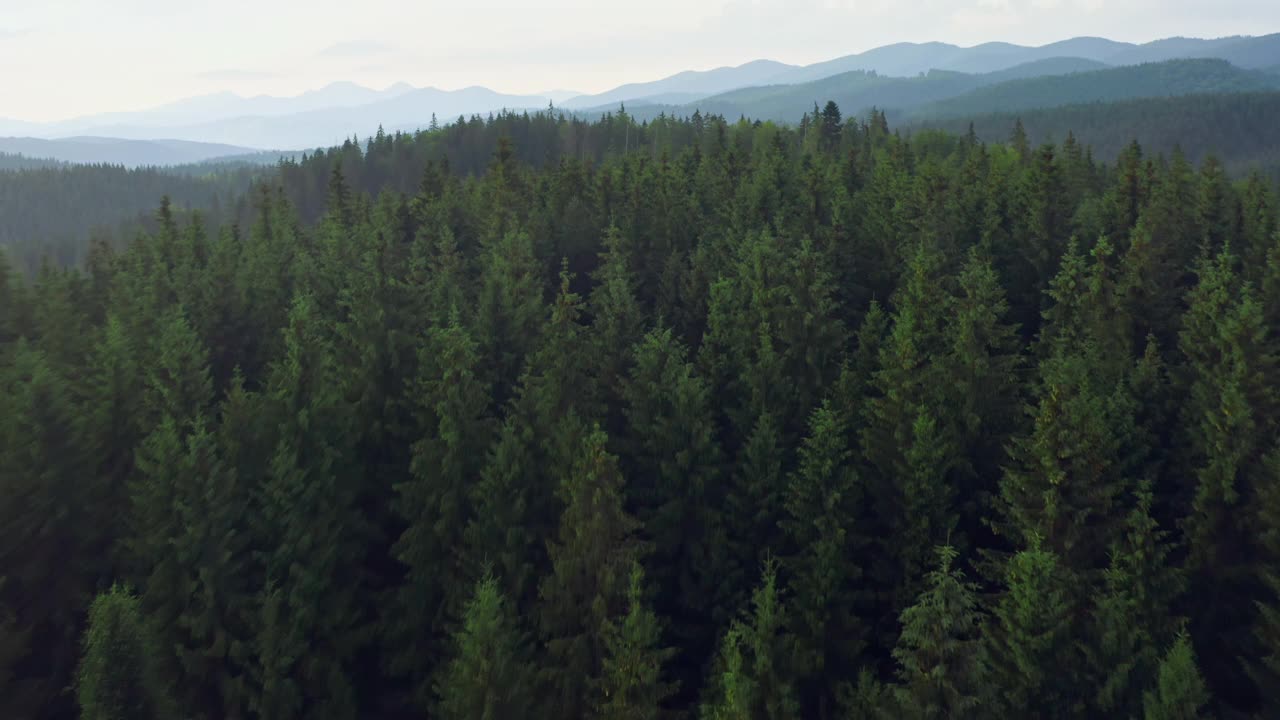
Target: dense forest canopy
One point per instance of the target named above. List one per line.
(546, 418)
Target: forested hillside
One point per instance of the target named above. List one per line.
(1155, 80)
(52, 213)
(939, 93)
(10, 161)
(1238, 129)
(819, 422)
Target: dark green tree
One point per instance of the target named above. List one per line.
(823, 502)
(118, 677)
(489, 676)
(587, 586)
(939, 654)
(1179, 692)
(632, 685)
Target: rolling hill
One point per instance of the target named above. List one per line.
(1239, 128)
(688, 86)
(17, 161)
(1172, 78)
(116, 151)
(1055, 81)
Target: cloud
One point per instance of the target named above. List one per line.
(10, 33)
(236, 75)
(356, 48)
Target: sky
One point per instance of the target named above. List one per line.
(65, 58)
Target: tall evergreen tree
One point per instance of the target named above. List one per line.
(632, 684)
(308, 629)
(753, 677)
(118, 677)
(1180, 692)
(1030, 641)
(436, 502)
(823, 502)
(939, 653)
(489, 676)
(587, 586)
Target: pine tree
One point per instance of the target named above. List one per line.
(587, 585)
(1180, 692)
(177, 399)
(910, 438)
(985, 357)
(118, 678)
(509, 310)
(939, 655)
(113, 426)
(631, 684)
(489, 676)
(617, 317)
(754, 507)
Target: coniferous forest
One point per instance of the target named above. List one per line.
(542, 418)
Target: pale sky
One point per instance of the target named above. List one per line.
(63, 58)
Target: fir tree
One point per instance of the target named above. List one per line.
(1030, 638)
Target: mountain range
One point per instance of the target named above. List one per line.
(916, 79)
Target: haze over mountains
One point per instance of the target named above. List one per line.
(912, 80)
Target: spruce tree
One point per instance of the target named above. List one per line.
(753, 677)
(632, 684)
(590, 560)
(47, 556)
(939, 654)
(1179, 692)
(673, 464)
(436, 502)
(118, 678)
(308, 627)
(489, 675)
(823, 502)
(1134, 613)
(1030, 640)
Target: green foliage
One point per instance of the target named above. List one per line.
(489, 676)
(753, 677)
(117, 679)
(1179, 693)
(587, 586)
(939, 654)
(1031, 638)
(347, 445)
(631, 676)
(822, 501)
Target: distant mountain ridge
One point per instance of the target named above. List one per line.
(942, 93)
(116, 151)
(903, 75)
